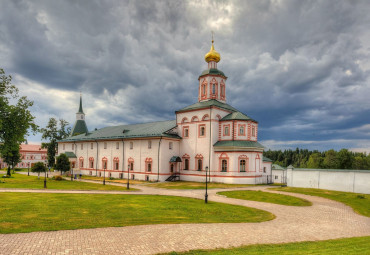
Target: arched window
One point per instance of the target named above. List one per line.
(185, 160)
(91, 162)
(224, 162)
(213, 88)
(224, 165)
(81, 162)
(116, 163)
(242, 165)
(131, 164)
(199, 162)
(105, 163)
(148, 164)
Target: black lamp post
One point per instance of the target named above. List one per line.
(105, 166)
(72, 173)
(206, 195)
(28, 164)
(128, 176)
(45, 177)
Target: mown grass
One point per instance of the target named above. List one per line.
(344, 246)
(266, 197)
(21, 181)
(359, 202)
(195, 185)
(22, 212)
(114, 180)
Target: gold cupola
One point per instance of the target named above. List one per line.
(212, 55)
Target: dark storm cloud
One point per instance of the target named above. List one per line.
(301, 68)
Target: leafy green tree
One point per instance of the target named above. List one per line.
(345, 158)
(39, 167)
(331, 160)
(53, 133)
(15, 120)
(63, 163)
(315, 160)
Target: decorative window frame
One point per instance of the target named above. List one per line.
(243, 157)
(228, 126)
(148, 161)
(81, 162)
(91, 162)
(131, 162)
(183, 131)
(104, 160)
(215, 95)
(116, 163)
(185, 156)
(194, 119)
(203, 88)
(222, 90)
(197, 158)
(223, 156)
(245, 129)
(199, 130)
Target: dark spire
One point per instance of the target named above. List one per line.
(80, 109)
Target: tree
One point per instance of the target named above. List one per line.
(63, 164)
(345, 159)
(39, 167)
(315, 160)
(52, 133)
(331, 160)
(15, 120)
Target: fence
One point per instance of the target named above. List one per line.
(357, 181)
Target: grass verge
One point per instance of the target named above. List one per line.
(114, 180)
(344, 246)
(22, 181)
(266, 197)
(195, 185)
(22, 212)
(359, 202)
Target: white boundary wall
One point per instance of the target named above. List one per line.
(357, 181)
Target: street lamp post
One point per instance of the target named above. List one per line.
(105, 166)
(28, 164)
(206, 195)
(72, 173)
(128, 176)
(45, 178)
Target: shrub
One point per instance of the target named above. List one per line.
(57, 178)
(361, 196)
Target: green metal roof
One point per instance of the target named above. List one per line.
(238, 143)
(214, 71)
(237, 116)
(277, 167)
(151, 129)
(266, 159)
(79, 128)
(175, 159)
(70, 154)
(208, 104)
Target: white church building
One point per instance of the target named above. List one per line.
(208, 135)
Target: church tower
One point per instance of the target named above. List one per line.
(80, 124)
(212, 81)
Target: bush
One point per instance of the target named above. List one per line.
(17, 169)
(58, 178)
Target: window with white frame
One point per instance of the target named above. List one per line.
(226, 130)
(149, 144)
(241, 130)
(224, 165)
(186, 132)
(117, 145)
(91, 145)
(131, 145)
(253, 131)
(170, 145)
(82, 146)
(73, 146)
(242, 165)
(105, 145)
(202, 131)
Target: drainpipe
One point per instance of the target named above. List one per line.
(123, 156)
(97, 154)
(210, 143)
(159, 147)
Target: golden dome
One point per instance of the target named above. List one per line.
(212, 55)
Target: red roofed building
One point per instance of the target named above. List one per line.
(30, 154)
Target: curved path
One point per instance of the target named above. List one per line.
(325, 219)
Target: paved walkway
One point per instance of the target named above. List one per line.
(326, 219)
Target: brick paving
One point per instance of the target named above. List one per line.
(325, 219)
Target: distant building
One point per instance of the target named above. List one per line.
(278, 173)
(209, 134)
(30, 154)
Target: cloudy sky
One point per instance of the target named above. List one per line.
(301, 68)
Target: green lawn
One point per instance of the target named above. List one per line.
(124, 181)
(266, 197)
(344, 246)
(359, 202)
(22, 212)
(32, 182)
(195, 185)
